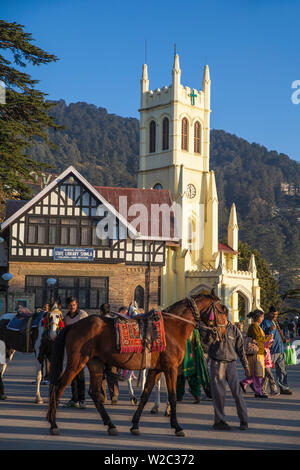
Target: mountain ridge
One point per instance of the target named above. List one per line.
(264, 184)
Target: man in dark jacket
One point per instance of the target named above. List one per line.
(74, 315)
(277, 349)
(110, 372)
(223, 355)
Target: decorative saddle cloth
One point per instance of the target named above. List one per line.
(20, 322)
(22, 330)
(134, 334)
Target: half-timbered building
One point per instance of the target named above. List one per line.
(94, 241)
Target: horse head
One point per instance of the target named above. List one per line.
(133, 309)
(55, 320)
(212, 313)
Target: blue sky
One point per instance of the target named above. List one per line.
(251, 47)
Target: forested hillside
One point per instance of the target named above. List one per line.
(264, 185)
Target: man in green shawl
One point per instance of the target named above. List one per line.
(193, 369)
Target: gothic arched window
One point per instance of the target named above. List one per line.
(197, 137)
(165, 142)
(184, 134)
(139, 296)
(152, 135)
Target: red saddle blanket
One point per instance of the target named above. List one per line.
(132, 333)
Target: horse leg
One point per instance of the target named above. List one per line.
(129, 378)
(150, 381)
(96, 368)
(2, 392)
(3, 395)
(171, 381)
(155, 408)
(57, 390)
(38, 398)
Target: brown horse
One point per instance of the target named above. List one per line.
(91, 342)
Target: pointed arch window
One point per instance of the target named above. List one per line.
(184, 134)
(197, 137)
(139, 295)
(152, 135)
(165, 142)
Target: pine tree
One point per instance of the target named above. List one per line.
(24, 114)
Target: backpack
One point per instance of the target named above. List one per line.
(250, 345)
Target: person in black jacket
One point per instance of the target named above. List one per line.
(223, 355)
(110, 372)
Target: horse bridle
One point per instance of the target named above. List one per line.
(197, 316)
(50, 320)
(211, 309)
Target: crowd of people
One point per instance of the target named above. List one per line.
(209, 364)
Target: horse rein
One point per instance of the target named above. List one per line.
(179, 318)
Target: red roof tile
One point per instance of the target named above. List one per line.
(142, 204)
(226, 248)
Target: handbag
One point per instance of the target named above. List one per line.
(251, 346)
(290, 355)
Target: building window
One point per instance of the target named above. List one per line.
(63, 231)
(165, 142)
(152, 141)
(36, 231)
(91, 292)
(158, 186)
(184, 134)
(139, 294)
(197, 137)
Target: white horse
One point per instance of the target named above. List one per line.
(154, 410)
(133, 311)
(47, 329)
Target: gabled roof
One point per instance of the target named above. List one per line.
(70, 171)
(151, 200)
(226, 248)
(12, 206)
(109, 197)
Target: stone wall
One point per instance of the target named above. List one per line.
(123, 279)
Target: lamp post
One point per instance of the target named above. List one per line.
(51, 283)
(6, 277)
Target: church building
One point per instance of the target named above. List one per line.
(174, 155)
(157, 243)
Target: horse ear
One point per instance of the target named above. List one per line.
(213, 295)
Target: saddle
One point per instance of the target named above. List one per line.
(21, 331)
(143, 332)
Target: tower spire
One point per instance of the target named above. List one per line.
(233, 229)
(144, 83)
(206, 77)
(206, 87)
(176, 74)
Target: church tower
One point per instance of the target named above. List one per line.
(174, 155)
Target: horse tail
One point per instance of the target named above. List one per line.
(56, 367)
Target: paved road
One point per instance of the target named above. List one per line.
(274, 423)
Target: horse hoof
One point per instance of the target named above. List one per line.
(54, 432)
(133, 400)
(154, 410)
(180, 433)
(135, 431)
(113, 432)
(39, 401)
